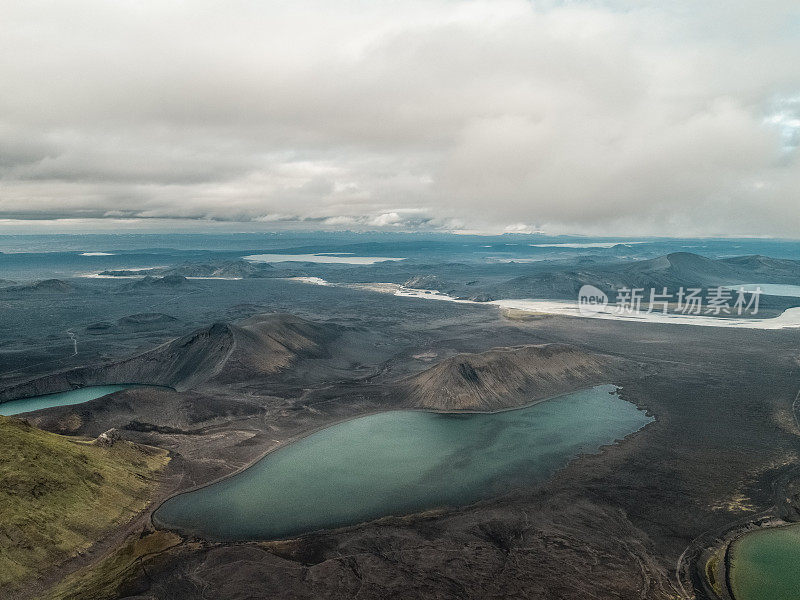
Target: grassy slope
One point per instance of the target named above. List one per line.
(104, 579)
(59, 495)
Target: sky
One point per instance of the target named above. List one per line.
(616, 117)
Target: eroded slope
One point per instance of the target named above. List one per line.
(505, 377)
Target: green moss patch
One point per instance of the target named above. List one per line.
(105, 579)
(59, 495)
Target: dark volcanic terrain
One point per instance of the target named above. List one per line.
(248, 366)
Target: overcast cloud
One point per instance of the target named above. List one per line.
(675, 118)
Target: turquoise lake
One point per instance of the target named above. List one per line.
(765, 564)
(15, 407)
(771, 289)
(400, 462)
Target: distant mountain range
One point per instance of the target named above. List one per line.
(546, 279)
(225, 269)
(679, 269)
(44, 286)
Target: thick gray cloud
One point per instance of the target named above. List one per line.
(617, 117)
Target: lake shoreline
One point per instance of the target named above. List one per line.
(121, 388)
(309, 432)
(567, 449)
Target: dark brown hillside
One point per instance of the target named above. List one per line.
(260, 346)
(505, 377)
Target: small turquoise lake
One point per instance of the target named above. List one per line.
(765, 564)
(23, 405)
(400, 462)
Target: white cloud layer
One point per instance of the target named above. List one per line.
(677, 118)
